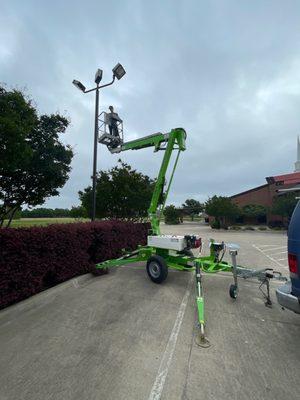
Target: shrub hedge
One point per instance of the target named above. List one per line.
(34, 259)
(249, 228)
(235, 228)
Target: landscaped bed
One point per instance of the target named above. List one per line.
(34, 259)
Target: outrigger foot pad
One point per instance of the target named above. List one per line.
(202, 341)
(200, 338)
(268, 303)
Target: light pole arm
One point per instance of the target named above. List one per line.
(100, 87)
(108, 84)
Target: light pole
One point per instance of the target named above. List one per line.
(118, 72)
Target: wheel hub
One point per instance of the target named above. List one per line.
(154, 269)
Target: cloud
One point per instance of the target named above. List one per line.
(228, 72)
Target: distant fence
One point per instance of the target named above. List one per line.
(33, 259)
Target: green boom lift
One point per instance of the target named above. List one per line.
(165, 252)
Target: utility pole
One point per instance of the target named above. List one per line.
(94, 176)
(118, 72)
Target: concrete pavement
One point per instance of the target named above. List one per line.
(120, 336)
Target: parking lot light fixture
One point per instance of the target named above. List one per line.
(79, 85)
(119, 71)
(98, 76)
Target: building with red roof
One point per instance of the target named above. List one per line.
(275, 186)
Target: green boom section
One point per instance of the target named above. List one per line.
(168, 142)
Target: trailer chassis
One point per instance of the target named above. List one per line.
(199, 265)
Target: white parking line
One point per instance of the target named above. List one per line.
(274, 248)
(270, 258)
(165, 363)
(268, 245)
(282, 259)
(277, 254)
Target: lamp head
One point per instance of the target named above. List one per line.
(98, 76)
(119, 71)
(79, 85)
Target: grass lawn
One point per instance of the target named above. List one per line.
(26, 222)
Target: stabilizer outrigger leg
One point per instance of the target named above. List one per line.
(201, 340)
(266, 281)
(234, 288)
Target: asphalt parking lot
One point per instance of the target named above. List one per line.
(120, 336)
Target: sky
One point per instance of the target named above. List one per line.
(227, 71)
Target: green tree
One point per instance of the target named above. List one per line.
(192, 207)
(254, 210)
(17, 214)
(33, 161)
(222, 208)
(122, 193)
(284, 205)
(78, 212)
(171, 214)
(42, 212)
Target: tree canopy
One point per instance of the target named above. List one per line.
(254, 210)
(33, 161)
(221, 208)
(122, 193)
(43, 212)
(284, 205)
(171, 214)
(78, 212)
(192, 207)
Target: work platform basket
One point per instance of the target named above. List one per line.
(104, 134)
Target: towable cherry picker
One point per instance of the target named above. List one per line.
(165, 252)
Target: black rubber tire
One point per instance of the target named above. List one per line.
(233, 291)
(157, 269)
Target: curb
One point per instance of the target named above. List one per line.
(25, 305)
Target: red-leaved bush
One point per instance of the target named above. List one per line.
(33, 259)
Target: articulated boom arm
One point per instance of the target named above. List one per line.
(174, 140)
